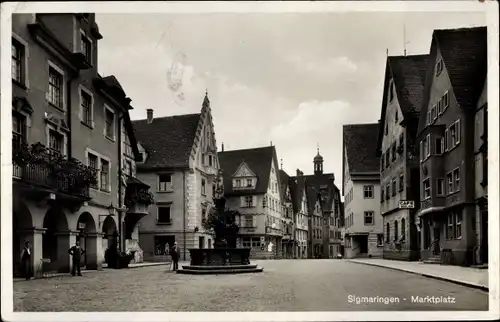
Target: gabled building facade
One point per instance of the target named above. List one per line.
(363, 232)
(399, 174)
(252, 186)
(446, 134)
(75, 189)
(287, 186)
(180, 164)
(302, 219)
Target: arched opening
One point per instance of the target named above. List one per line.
(22, 225)
(55, 243)
(109, 230)
(85, 226)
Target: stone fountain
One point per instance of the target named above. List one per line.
(225, 257)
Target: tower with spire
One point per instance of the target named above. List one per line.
(318, 163)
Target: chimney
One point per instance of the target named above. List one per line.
(299, 173)
(150, 115)
(222, 146)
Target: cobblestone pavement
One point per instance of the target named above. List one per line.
(285, 285)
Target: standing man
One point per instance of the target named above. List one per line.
(26, 260)
(76, 252)
(175, 256)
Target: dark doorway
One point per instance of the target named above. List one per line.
(201, 242)
(363, 244)
(161, 243)
(484, 236)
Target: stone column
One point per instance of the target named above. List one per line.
(65, 239)
(34, 236)
(93, 251)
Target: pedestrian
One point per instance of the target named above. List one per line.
(26, 260)
(76, 252)
(174, 253)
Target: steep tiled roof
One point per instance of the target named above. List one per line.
(408, 74)
(298, 190)
(315, 184)
(167, 140)
(284, 181)
(361, 148)
(409, 80)
(464, 53)
(259, 161)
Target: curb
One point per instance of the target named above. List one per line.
(472, 285)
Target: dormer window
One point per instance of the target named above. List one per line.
(86, 47)
(237, 183)
(439, 67)
(249, 183)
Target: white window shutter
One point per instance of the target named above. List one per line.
(254, 201)
(446, 142)
(242, 201)
(457, 129)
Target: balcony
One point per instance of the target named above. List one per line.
(43, 175)
(137, 200)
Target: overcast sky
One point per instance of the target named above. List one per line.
(293, 79)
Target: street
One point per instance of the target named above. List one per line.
(285, 285)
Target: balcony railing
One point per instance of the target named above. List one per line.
(41, 168)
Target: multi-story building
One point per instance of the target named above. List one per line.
(180, 164)
(481, 173)
(322, 196)
(454, 84)
(251, 181)
(287, 187)
(399, 175)
(363, 232)
(301, 216)
(69, 185)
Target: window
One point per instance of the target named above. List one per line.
(440, 107)
(458, 224)
(249, 201)
(86, 48)
(382, 194)
(18, 52)
(396, 230)
(427, 188)
(249, 183)
(396, 117)
(388, 158)
(86, 106)
(439, 67)
(248, 221)
(401, 182)
(433, 113)
(164, 182)
(401, 141)
(210, 160)
(203, 187)
(393, 149)
(445, 101)
(403, 229)
(393, 187)
(440, 187)
(164, 215)
(456, 179)
(439, 148)
(454, 132)
(18, 130)
(55, 87)
(368, 192)
(380, 239)
(449, 227)
(129, 168)
(387, 233)
(109, 127)
(238, 183)
(369, 218)
(105, 175)
(388, 192)
(92, 162)
(429, 117)
(449, 178)
(56, 142)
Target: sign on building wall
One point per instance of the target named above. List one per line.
(406, 204)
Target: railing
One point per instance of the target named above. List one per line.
(41, 175)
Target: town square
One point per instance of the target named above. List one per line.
(211, 161)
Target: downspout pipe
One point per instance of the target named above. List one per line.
(184, 213)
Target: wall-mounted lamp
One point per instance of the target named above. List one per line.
(111, 209)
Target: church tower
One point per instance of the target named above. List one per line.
(318, 164)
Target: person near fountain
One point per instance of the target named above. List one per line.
(26, 260)
(175, 256)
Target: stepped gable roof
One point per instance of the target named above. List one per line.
(464, 54)
(259, 161)
(167, 140)
(360, 147)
